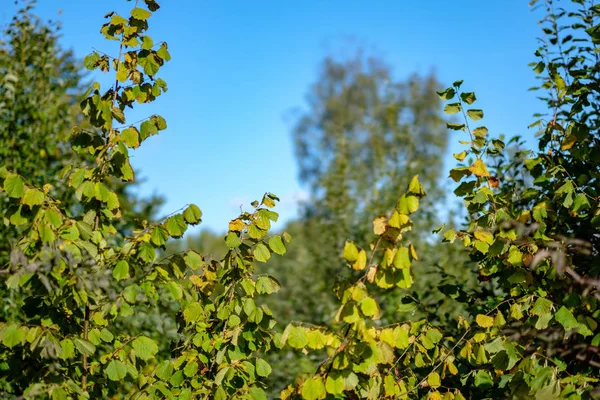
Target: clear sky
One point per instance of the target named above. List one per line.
(239, 67)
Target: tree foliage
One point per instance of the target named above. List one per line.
(528, 330)
(82, 279)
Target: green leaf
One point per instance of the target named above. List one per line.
(159, 235)
(232, 240)
(193, 312)
(483, 379)
(106, 335)
(46, 233)
(407, 204)
(255, 232)
(539, 67)
(452, 108)
(177, 378)
(515, 257)
(17, 219)
(261, 253)
(262, 368)
(456, 127)
(581, 202)
(434, 380)
(297, 338)
(468, 97)
(146, 252)
(350, 252)
(434, 335)
(89, 62)
(33, 197)
(350, 313)
(458, 173)
(316, 339)
(176, 226)
(402, 259)
(163, 52)
(145, 348)
(564, 317)
(276, 245)
(12, 335)
(191, 369)
(192, 214)
(369, 307)
(447, 94)
(67, 349)
(334, 383)
(164, 370)
(475, 115)
(407, 307)
(175, 289)
(83, 346)
(147, 128)
(267, 285)
(481, 132)
(53, 217)
(541, 306)
(193, 259)
(14, 186)
(400, 337)
(131, 137)
(116, 370)
(147, 43)
(313, 389)
(121, 270)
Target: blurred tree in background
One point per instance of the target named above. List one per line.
(363, 136)
(359, 142)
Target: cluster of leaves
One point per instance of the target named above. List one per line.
(82, 279)
(530, 329)
(365, 359)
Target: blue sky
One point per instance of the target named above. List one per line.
(239, 68)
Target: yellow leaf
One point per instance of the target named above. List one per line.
(196, 280)
(484, 321)
(236, 225)
(415, 187)
(413, 252)
(379, 224)
(398, 220)
(484, 236)
(525, 216)
(568, 142)
(371, 274)
(435, 395)
(478, 168)
(361, 261)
